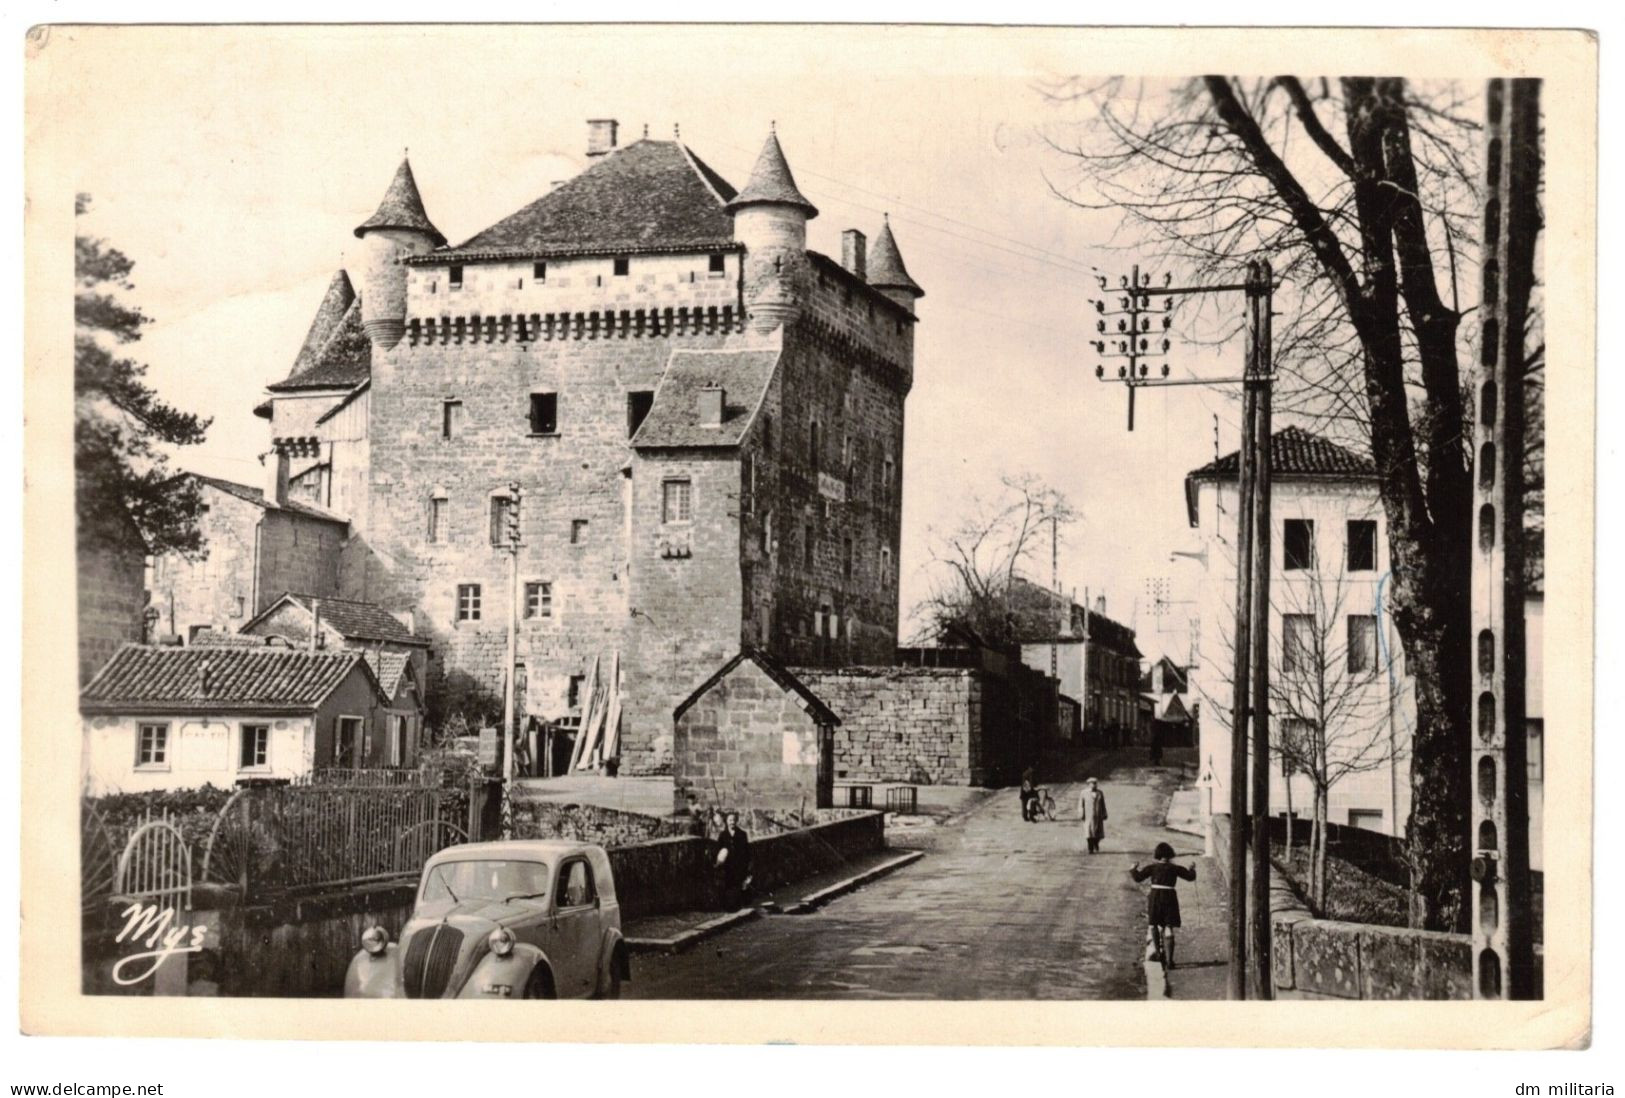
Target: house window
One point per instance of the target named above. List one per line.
(454, 278)
(347, 741)
(544, 413)
(1362, 545)
(538, 270)
(256, 746)
(807, 547)
(572, 695)
(538, 600)
(1297, 642)
(638, 404)
(152, 745)
(578, 531)
(501, 515)
(676, 501)
(468, 602)
(1299, 544)
(451, 418)
(1362, 644)
(400, 728)
(846, 558)
(719, 263)
(623, 266)
(437, 520)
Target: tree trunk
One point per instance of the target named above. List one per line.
(1320, 852)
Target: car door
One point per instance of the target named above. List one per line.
(575, 930)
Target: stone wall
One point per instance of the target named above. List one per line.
(112, 595)
(750, 743)
(918, 725)
(606, 827)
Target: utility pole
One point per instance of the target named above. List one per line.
(512, 537)
(1503, 945)
(1134, 340)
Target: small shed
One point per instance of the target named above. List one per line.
(753, 735)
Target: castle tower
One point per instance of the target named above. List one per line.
(399, 229)
(886, 272)
(770, 219)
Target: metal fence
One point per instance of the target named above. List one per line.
(307, 838)
(338, 775)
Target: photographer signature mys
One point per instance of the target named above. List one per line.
(156, 929)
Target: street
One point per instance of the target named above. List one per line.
(1000, 909)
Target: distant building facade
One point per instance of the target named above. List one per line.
(1094, 658)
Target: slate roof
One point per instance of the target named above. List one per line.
(771, 182)
(142, 679)
(1037, 613)
(350, 619)
(780, 674)
(649, 196)
(336, 302)
(256, 496)
(402, 208)
(673, 420)
(1295, 454)
(344, 360)
(885, 269)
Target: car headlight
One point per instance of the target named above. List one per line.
(501, 941)
(375, 940)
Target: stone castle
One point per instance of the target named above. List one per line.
(704, 419)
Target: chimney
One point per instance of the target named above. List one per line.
(855, 253)
(205, 681)
(1100, 605)
(711, 406)
(276, 475)
(601, 134)
(315, 624)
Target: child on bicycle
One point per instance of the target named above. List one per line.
(1162, 908)
(1029, 797)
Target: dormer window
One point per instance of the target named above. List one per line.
(454, 278)
(623, 266)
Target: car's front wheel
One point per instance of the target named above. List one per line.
(540, 985)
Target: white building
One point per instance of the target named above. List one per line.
(1329, 626)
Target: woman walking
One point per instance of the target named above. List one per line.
(1092, 811)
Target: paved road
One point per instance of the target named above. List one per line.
(1001, 909)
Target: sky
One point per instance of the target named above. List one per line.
(232, 165)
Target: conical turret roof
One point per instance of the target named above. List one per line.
(885, 267)
(335, 303)
(771, 182)
(402, 208)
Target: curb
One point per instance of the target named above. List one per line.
(711, 927)
(841, 888)
(690, 937)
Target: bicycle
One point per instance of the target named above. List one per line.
(1043, 804)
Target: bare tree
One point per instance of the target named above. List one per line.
(974, 593)
(1364, 228)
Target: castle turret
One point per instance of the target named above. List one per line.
(399, 229)
(770, 220)
(886, 271)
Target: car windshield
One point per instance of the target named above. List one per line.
(453, 882)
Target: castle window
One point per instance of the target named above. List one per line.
(767, 434)
(578, 531)
(676, 501)
(501, 512)
(885, 564)
(544, 413)
(454, 278)
(572, 694)
(719, 263)
(437, 520)
(767, 532)
(846, 558)
(538, 270)
(812, 445)
(638, 403)
(1299, 544)
(1362, 545)
(451, 418)
(807, 547)
(538, 599)
(468, 602)
(888, 471)
(747, 485)
(623, 266)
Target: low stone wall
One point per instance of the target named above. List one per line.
(608, 827)
(903, 724)
(1325, 959)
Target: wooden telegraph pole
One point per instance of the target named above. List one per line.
(1503, 945)
(1132, 341)
(512, 532)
